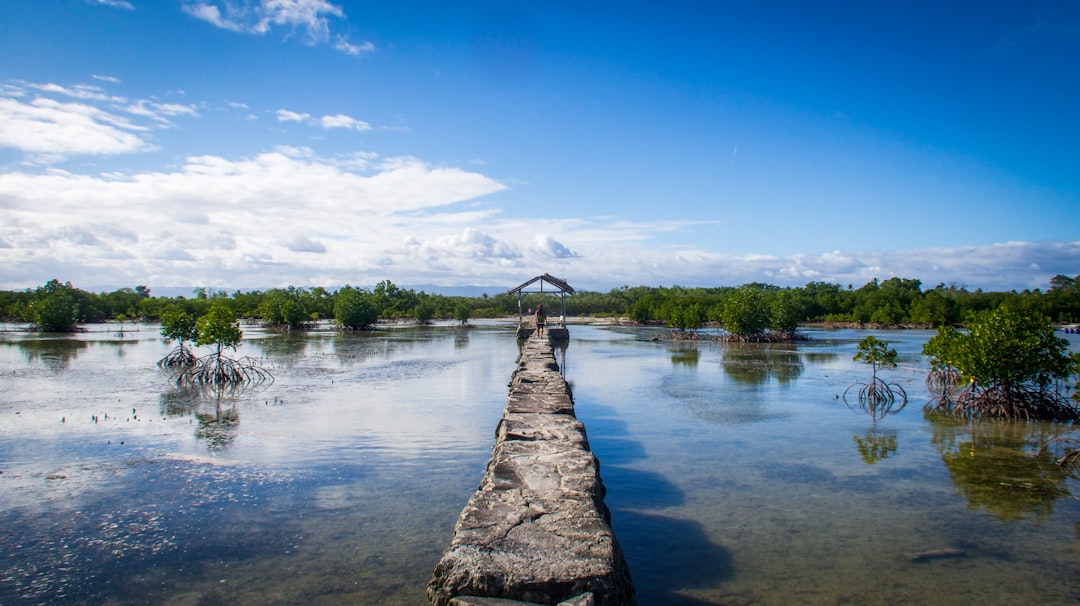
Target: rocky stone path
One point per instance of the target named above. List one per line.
(537, 530)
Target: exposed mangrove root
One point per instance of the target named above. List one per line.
(1020, 402)
(943, 381)
(878, 398)
(943, 384)
(218, 370)
(181, 357)
(1066, 453)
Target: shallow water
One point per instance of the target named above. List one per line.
(735, 474)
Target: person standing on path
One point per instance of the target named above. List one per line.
(541, 319)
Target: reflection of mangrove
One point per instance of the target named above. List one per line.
(876, 445)
(219, 427)
(180, 401)
(284, 347)
(685, 356)
(55, 354)
(1003, 466)
(216, 424)
(756, 363)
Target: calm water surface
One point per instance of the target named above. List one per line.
(735, 475)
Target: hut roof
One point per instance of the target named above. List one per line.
(559, 284)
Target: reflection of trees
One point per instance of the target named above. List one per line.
(461, 339)
(685, 355)
(282, 348)
(55, 354)
(217, 422)
(218, 428)
(1002, 466)
(758, 362)
(876, 445)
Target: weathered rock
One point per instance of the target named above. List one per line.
(537, 530)
(585, 599)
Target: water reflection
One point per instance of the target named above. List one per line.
(876, 445)
(560, 355)
(1002, 466)
(218, 426)
(685, 354)
(214, 409)
(54, 354)
(756, 363)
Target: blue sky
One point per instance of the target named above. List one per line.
(262, 143)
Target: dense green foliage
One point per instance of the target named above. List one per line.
(746, 312)
(1008, 362)
(747, 309)
(56, 310)
(218, 327)
(354, 308)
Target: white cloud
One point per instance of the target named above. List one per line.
(305, 244)
(342, 44)
(50, 127)
(159, 111)
(284, 115)
(249, 221)
(43, 121)
(85, 92)
(113, 3)
(310, 17)
(327, 122)
(550, 247)
(343, 121)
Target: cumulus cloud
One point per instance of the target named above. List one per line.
(309, 17)
(247, 221)
(550, 247)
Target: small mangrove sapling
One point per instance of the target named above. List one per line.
(878, 397)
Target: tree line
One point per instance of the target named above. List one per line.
(895, 301)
